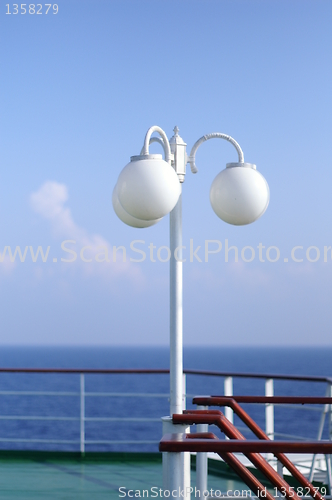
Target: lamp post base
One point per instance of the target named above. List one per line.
(176, 466)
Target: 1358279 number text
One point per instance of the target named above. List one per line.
(32, 8)
(301, 491)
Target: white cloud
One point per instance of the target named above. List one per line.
(50, 203)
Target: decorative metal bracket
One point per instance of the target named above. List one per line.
(215, 135)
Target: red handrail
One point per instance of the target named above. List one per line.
(232, 402)
(179, 442)
(226, 400)
(254, 484)
(225, 448)
(251, 448)
(217, 418)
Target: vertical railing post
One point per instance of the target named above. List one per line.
(184, 392)
(202, 461)
(280, 471)
(328, 465)
(326, 409)
(269, 414)
(329, 472)
(82, 413)
(228, 391)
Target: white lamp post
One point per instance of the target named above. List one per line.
(149, 188)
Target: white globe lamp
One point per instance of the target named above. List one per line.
(148, 187)
(239, 194)
(127, 218)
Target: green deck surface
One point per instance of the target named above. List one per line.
(48, 476)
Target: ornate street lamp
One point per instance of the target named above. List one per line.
(148, 188)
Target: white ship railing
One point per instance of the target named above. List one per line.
(228, 385)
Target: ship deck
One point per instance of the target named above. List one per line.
(67, 476)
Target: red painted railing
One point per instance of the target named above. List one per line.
(205, 442)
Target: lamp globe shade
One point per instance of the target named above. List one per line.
(125, 217)
(239, 194)
(148, 187)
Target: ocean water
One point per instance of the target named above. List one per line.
(299, 361)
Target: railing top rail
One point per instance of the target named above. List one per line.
(305, 378)
(211, 443)
(276, 376)
(85, 370)
(227, 400)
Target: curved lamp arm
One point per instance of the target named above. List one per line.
(216, 135)
(167, 148)
(155, 139)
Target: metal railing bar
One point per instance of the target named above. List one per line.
(185, 442)
(87, 419)
(300, 438)
(65, 441)
(279, 405)
(38, 393)
(293, 406)
(18, 440)
(121, 442)
(128, 394)
(166, 371)
(298, 407)
(258, 375)
(272, 400)
(32, 417)
(120, 419)
(98, 394)
(86, 370)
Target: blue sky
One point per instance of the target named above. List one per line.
(79, 90)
